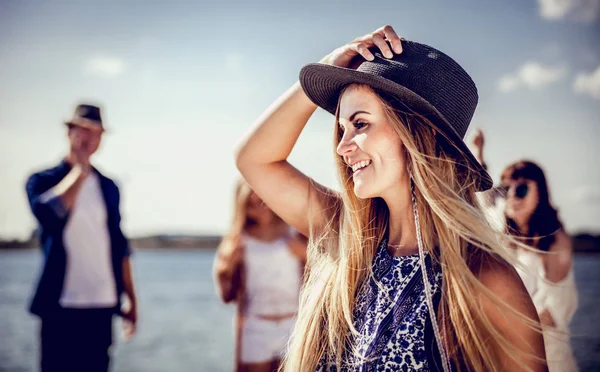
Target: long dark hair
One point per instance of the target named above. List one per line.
(544, 221)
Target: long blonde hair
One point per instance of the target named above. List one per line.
(340, 256)
(241, 221)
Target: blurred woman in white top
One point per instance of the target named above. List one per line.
(259, 266)
(547, 267)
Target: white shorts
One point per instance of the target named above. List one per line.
(264, 340)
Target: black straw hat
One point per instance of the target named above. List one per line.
(422, 78)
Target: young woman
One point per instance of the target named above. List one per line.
(547, 271)
(546, 263)
(404, 272)
(259, 265)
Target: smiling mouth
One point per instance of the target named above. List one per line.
(360, 165)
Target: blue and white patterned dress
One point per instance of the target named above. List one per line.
(392, 318)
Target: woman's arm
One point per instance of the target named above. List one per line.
(262, 155)
(558, 262)
(261, 158)
(504, 282)
(486, 198)
(226, 268)
(298, 244)
(479, 142)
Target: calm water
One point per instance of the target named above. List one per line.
(183, 327)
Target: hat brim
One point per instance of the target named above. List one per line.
(84, 124)
(323, 84)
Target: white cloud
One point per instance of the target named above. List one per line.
(587, 194)
(578, 10)
(534, 75)
(104, 66)
(531, 75)
(588, 83)
(508, 83)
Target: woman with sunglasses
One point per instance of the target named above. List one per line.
(547, 267)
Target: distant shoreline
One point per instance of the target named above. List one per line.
(138, 249)
(163, 242)
(192, 249)
(583, 243)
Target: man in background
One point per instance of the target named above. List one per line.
(87, 267)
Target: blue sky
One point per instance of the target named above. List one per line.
(180, 83)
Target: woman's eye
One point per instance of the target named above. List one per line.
(360, 124)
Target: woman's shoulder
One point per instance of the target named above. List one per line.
(501, 289)
(506, 302)
(500, 277)
(508, 307)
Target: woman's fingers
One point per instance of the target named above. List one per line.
(379, 41)
(384, 38)
(392, 37)
(360, 48)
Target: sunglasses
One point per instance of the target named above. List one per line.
(521, 190)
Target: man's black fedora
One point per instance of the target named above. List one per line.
(87, 116)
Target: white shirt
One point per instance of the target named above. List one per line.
(273, 277)
(89, 278)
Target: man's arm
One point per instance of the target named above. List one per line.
(69, 187)
(128, 286)
(51, 205)
(131, 313)
(122, 247)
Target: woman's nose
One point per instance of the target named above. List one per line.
(346, 145)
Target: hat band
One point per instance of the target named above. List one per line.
(87, 123)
